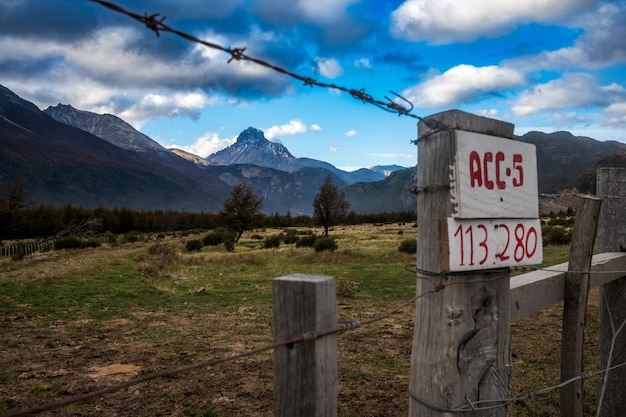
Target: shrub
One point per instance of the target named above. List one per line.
(256, 237)
(307, 241)
(325, 243)
(272, 241)
(68, 243)
(346, 287)
(556, 236)
(408, 246)
(228, 239)
(214, 238)
(72, 242)
(193, 245)
(290, 237)
(131, 237)
(229, 245)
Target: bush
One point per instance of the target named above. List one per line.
(556, 236)
(228, 239)
(72, 242)
(408, 246)
(131, 237)
(214, 238)
(325, 243)
(229, 245)
(290, 237)
(272, 241)
(193, 245)
(307, 241)
(219, 236)
(158, 259)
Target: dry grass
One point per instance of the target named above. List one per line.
(126, 309)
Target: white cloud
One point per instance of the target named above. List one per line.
(165, 105)
(573, 90)
(207, 144)
(463, 82)
(362, 63)
(488, 112)
(334, 148)
(351, 133)
(616, 114)
(324, 10)
(294, 127)
(600, 45)
(448, 21)
(106, 71)
(329, 67)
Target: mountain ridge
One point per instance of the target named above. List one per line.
(67, 165)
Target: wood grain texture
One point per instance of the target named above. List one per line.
(575, 303)
(611, 187)
(461, 347)
(305, 374)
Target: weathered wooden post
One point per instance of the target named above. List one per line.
(477, 215)
(611, 186)
(305, 374)
(575, 303)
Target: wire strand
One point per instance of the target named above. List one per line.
(156, 23)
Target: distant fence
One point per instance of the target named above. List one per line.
(30, 248)
(26, 249)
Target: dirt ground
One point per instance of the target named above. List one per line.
(82, 359)
(46, 359)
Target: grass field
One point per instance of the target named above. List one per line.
(77, 321)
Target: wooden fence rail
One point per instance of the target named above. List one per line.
(540, 289)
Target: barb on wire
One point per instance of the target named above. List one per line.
(157, 25)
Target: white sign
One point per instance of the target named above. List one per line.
(494, 178)
(492, 243)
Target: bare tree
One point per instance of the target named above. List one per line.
(241, 209)
(329, 204)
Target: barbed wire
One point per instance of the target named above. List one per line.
(496, 404)
(156, 23)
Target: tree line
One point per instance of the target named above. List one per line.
(20, 219)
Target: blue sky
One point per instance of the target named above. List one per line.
(544, 65)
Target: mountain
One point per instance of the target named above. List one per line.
(386, 170)
(68, 156)
(586, 182)
(282, 191)
(391, 194)
(116, 131)
(106, 126)
(563, 161)
(62, 164)
(198, 160)
(563, 157)
(253, 148)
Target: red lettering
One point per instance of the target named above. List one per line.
(499, 158)
(517, 165)
(476, 179)
(488, 158)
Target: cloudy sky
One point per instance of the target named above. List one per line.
(543, 65)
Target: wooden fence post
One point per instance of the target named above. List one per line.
(611, 186)
(461, 347)
(305, 374)
(575, 303)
